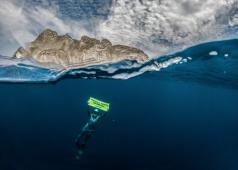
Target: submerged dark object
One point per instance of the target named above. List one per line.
(97, 110)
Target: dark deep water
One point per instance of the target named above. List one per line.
(152, 124)
(183, 117)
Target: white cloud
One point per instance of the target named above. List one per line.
(19, 25)
(156, 26)
(159, 26)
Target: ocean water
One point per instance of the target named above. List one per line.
(177, 112)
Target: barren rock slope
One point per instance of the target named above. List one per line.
(49, 47)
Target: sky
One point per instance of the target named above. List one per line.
(158, 27)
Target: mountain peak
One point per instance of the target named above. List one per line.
(51, 48)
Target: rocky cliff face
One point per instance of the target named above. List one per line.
(50, 48)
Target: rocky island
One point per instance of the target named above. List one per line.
(51, 48)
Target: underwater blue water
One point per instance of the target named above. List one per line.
(183, 116)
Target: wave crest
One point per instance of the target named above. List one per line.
(193, 64)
